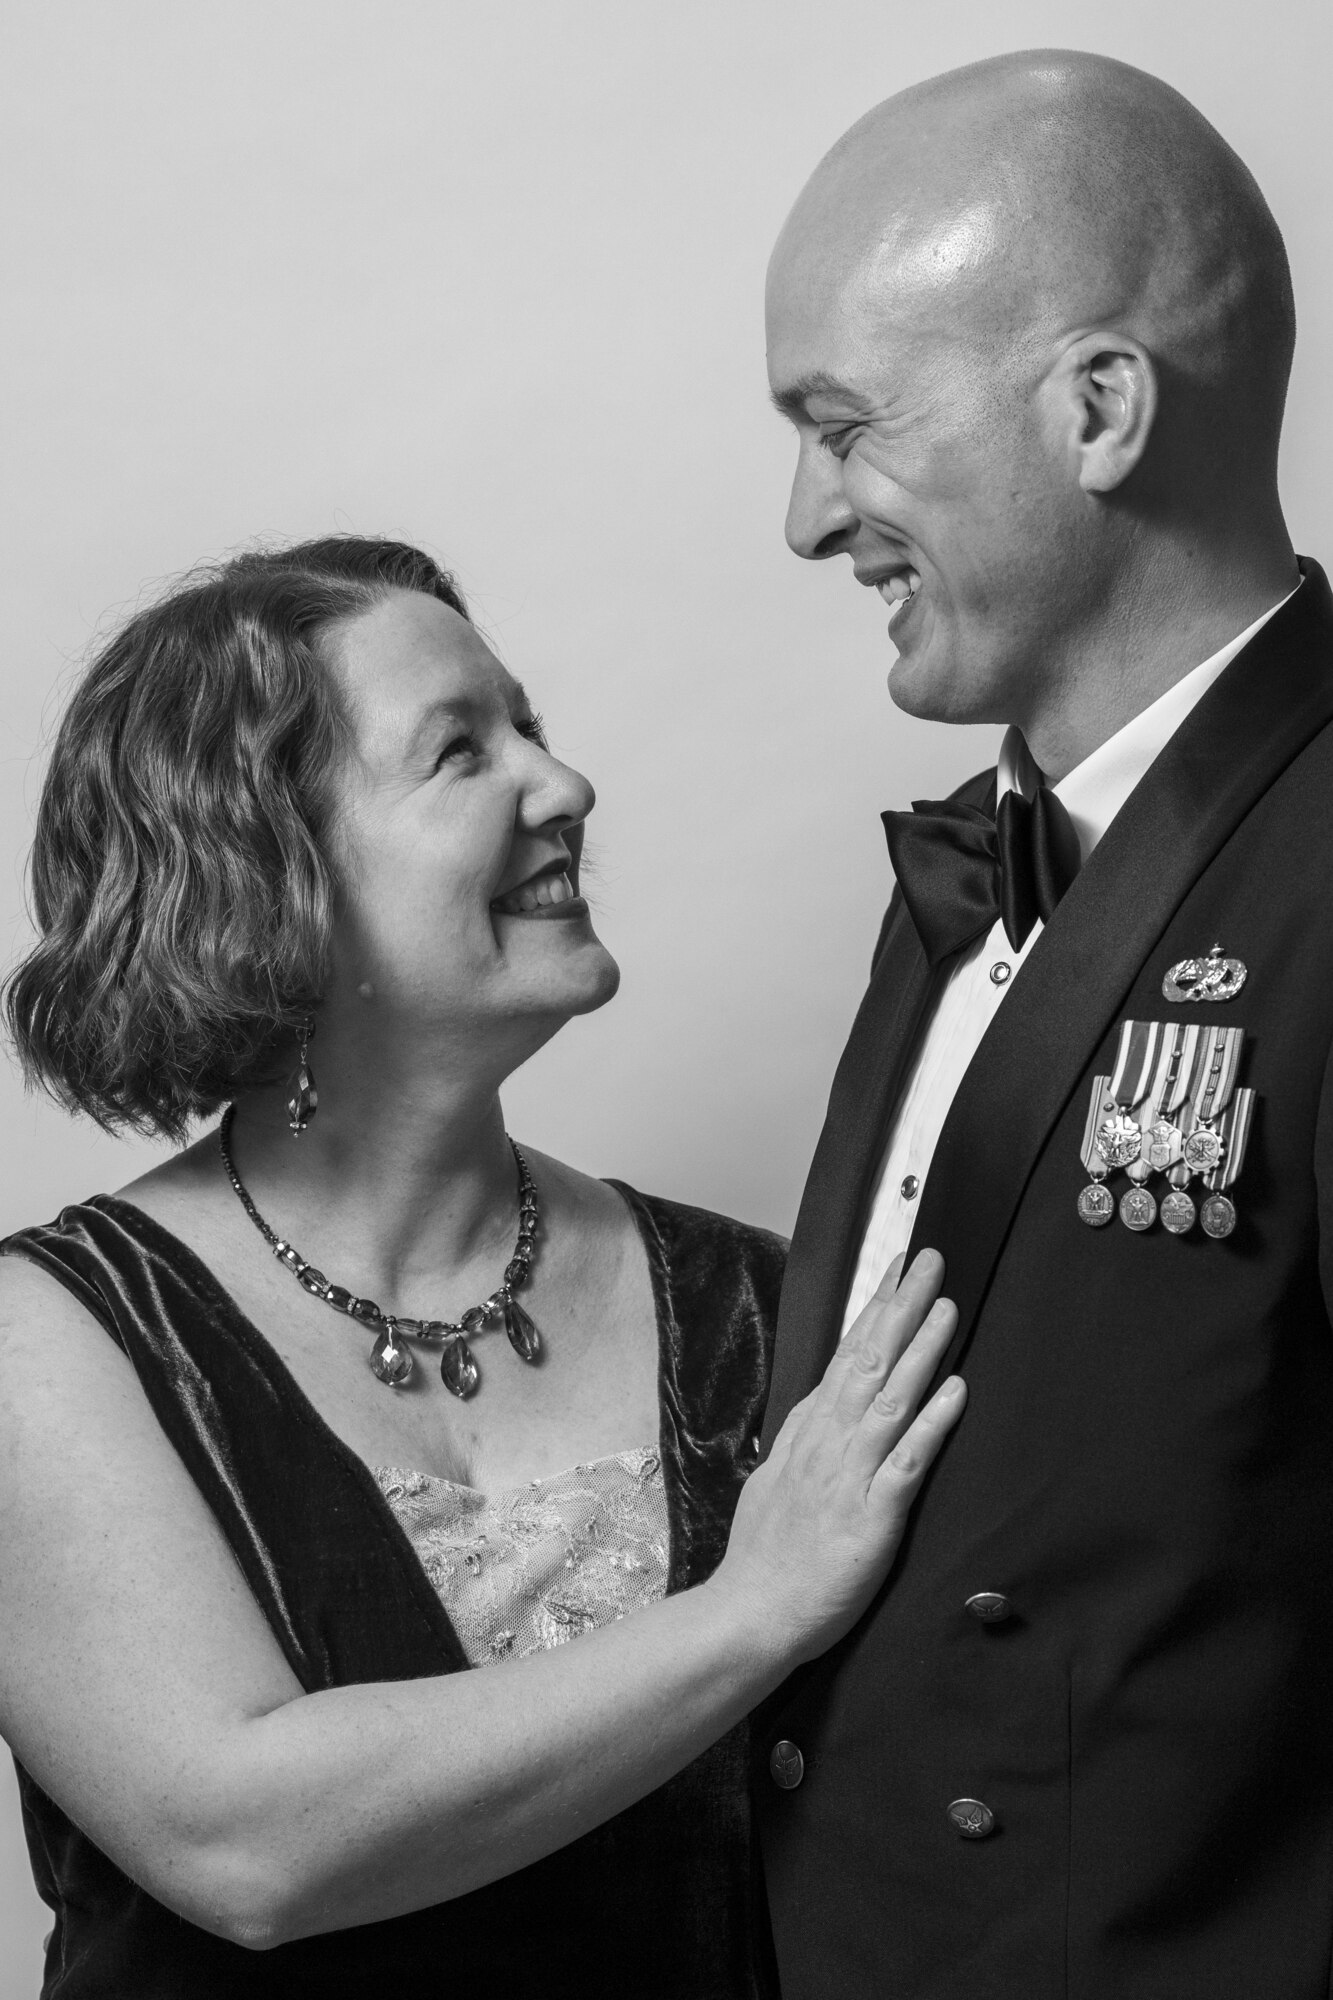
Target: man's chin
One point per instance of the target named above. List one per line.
(923, 689)
(929, 685)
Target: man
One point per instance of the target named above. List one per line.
(1033, 323)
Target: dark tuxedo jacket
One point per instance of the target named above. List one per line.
(1145, 1467)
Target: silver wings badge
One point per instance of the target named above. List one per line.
(1212, 978)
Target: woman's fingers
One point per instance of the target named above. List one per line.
(881, 1335)
(885, 1289)
(911, 1457)
(892, 1411)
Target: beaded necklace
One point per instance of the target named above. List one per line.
(392, 1362)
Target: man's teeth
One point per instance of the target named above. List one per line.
(898, 589)
(538, 894)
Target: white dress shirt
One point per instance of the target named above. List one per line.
(1092, 794)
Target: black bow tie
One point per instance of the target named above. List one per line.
(959, 869)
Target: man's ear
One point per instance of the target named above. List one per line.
(1111, 388)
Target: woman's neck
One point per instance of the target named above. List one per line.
(403, 1174)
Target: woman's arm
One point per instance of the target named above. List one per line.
(141, 1686)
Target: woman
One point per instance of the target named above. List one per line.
(301, 821)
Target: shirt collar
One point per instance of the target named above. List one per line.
(1094, 791)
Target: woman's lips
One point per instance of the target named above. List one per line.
(541, 896)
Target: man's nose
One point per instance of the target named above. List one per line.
(820, 519)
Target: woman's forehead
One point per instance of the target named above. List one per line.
(411, 653)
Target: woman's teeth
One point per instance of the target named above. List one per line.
(539, 894)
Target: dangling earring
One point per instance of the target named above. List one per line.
(304, 1100)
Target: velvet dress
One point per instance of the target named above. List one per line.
(664, 1899)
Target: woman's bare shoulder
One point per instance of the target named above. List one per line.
(180, 1186)
(34, 1305)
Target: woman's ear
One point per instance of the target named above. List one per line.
(1111, 386)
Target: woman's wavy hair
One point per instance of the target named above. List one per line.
(182, 874)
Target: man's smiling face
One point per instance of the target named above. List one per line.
(923, 458)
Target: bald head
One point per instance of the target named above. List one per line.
(1033, 323)
(1039, 194)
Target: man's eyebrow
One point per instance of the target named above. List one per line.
(792, 400)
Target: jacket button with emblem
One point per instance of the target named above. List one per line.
(992, 1607)
(786, 1765)
(971, 1818)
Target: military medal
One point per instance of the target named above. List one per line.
(1163, 1141)
(1218, 1212)
(1219, 1060)
(1177, 1212)
(1147, 1054)
(1219, 1216)
(1170, 1107)
(1209, 1137)
(1119, 1138)
(1138, 1210)
(1096, 1204)
(1213, 978)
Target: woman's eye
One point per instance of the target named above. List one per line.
(837, 441)
(535, 731)
(456, 747)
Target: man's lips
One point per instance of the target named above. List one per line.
(897, 586)
(548, 893)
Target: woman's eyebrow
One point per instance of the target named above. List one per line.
(445, 708)
(460, 708)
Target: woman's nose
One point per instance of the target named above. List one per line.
(558, 793)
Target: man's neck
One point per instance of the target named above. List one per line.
(1146, 641)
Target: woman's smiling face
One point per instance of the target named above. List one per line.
(459, 835)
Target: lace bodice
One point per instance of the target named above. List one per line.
(534, 1566)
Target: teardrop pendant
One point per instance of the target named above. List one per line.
(522, 1330)
(304, 1100)
(391, 1361)
(458, 1371)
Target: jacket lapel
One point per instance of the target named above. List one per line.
(825, 1240)
(1249, 726)
(1252, 722)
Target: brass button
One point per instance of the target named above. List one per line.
(786, 1765)
(999, 972)
(992, 1607)
(911, 1187)
(971, 1818)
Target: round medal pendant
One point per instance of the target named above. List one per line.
(1163, 1148)
(1203, 1150)
(1119, 1140)
(1096, 1205)
(1177, 1212)
(1218, 1216)
(1138, 1210)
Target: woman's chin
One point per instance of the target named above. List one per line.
(580, 983)
(601, 982)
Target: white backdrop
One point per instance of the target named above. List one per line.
(488, 277)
